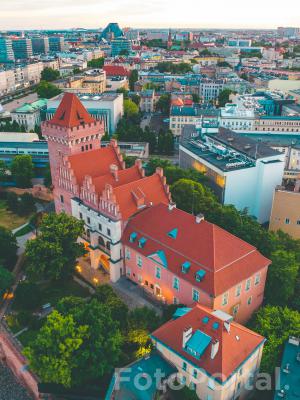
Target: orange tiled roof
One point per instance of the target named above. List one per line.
(124, 176)
(94, 163)
(150, 188)
(234, 347)
(115, 70)
(71, 113)
(226, 259)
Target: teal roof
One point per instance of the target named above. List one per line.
(198, 343)
(32, 107)
(180, 312)
(159, 257)
(290, 371)
(173, 233)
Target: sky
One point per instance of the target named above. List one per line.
(59, 14)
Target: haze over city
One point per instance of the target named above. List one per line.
(154, 13)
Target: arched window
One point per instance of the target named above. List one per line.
(108, 245)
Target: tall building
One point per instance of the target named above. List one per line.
(120, 46)
(112, 31)
(92, 184)
(6, 51)
(22, 48)
(56, 43)
(40, 45)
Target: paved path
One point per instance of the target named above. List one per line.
(133, 295)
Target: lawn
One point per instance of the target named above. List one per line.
(10, 220)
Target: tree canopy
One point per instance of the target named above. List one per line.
(22, 170)
(47, 90)
(96, 63)
(52, 255)
(6, 280)
(49, 74)
(8, 248)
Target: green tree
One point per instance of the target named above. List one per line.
(52, 255)
(3, 171)
(276, 324)
(196, 98)
(165, 142)
(124, 91)
(130, 108)
(49, 74)
(224, 97)
(8, 248)
(282, 277)
(149, 137)
(96, 63)
(27, 204)
(47, 176)
(12, 201)
(134, 77)
(136, 99)
(6, 280)
(164, 103)
(47, 90)
(53, 355)
(22, 170)
(28, 295)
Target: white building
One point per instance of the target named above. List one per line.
(237, 119)
(241, 171)
(106, 107)
(29, 114)
(210, 89)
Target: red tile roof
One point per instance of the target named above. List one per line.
(226, 259)
(71, 113)
(94, 163)
(234, 347)
(150, 188)
(125, 176)
(116, 70)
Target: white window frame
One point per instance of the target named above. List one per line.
(225, 299)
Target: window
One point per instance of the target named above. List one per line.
(195, 373)
(82, 148)
(257, 279)
(287, 221)
(108, 245)
(195, 295)
(192, 386)
(61, 198)
(108, 231)
(101, 241)
(235, 310)
(225, 299)
(184, 366)
(248, 284)
(211, 384)
(158, 273)
(176, 283)
(298, 222)
(88, 220)
(127, 254)
(175, 300)
(139, 261)
(80, 215)
(128, 271)
(238, 290)
(100, 227)
(249, 301)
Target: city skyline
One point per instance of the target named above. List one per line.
(153, 14)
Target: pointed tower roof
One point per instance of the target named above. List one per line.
(71, 113)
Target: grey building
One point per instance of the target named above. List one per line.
(56, 43)
(40, 45)
(6, 50)
(22, 48)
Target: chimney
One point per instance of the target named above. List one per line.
(187, 334)
(199, 218)
(114, 171)
(172, 206)
(214, 348)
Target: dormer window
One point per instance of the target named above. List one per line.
(132, 237)
(200, 275)
(185, 267)
(142, 242)
(173, 233)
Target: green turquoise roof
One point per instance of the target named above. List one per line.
(32, 107)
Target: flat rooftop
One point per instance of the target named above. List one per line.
(107, 96)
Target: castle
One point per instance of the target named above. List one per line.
(92, 184)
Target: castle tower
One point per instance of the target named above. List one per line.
(169, 43)
(71, 131)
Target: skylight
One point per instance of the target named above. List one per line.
(215, 325)
(205, 320)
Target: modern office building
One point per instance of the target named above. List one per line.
(241, 170)
(179, 258)
(120, 46)
(6, 51)
(210, 88)
(105, 107)
(112, 31)
(22, 48)
(56, 43)
(40, 45)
